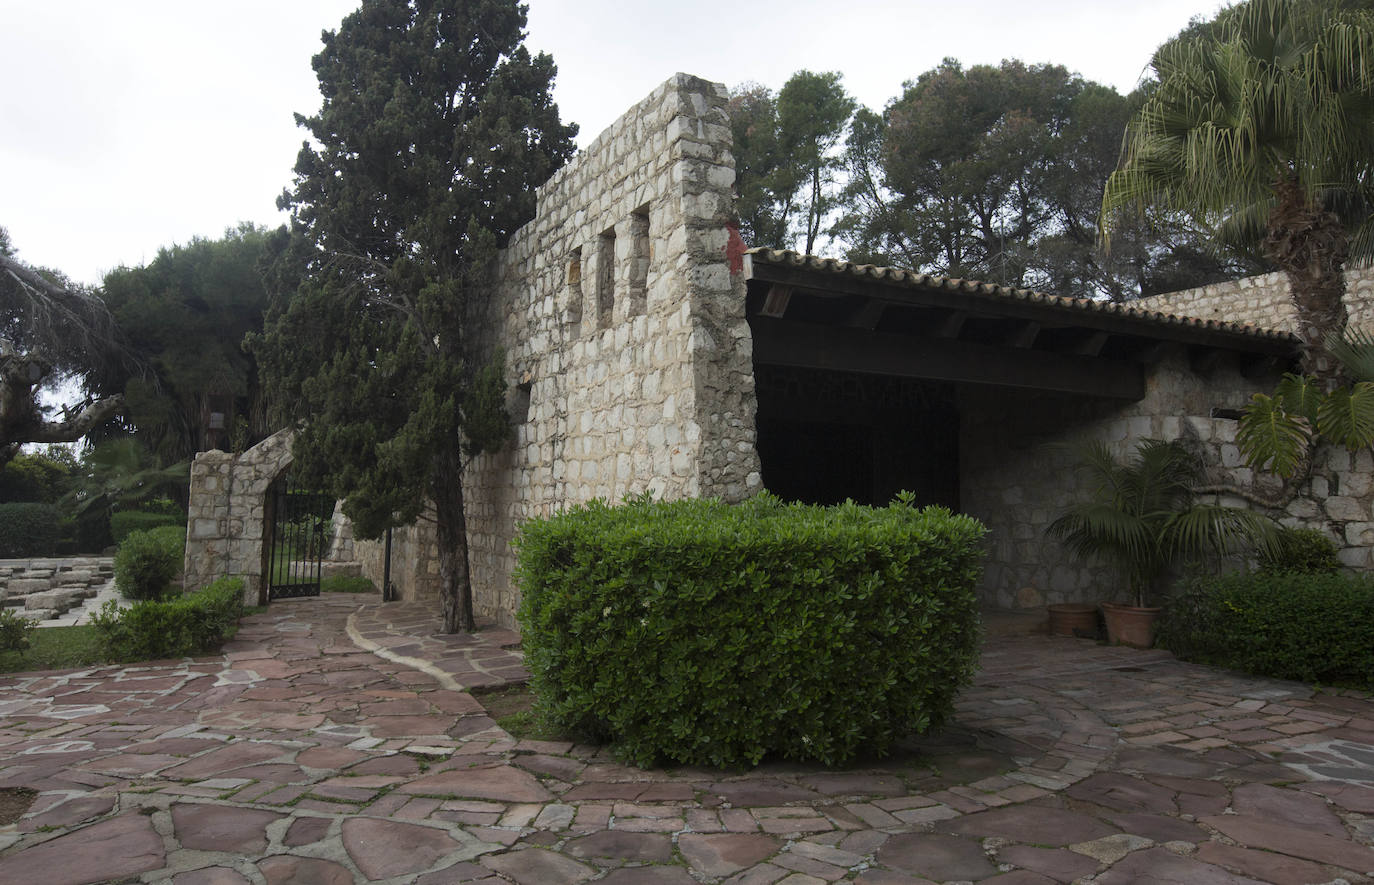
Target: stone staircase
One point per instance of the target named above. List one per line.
(47, 589)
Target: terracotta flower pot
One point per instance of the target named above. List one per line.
(1073, 619)
(1129, 624)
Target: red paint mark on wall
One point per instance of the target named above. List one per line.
(734, 249)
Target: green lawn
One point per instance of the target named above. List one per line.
(55, 648)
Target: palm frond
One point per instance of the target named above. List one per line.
(1346, 416)
(1272, 438)
(1355, 351)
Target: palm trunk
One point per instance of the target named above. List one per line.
(455, 583)
(1309, 245)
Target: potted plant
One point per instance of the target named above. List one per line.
(1141, 517)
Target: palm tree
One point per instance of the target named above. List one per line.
(1262, 123)
(1143, 515)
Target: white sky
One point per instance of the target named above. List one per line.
(131, 125)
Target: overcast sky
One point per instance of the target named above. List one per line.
(127, 126)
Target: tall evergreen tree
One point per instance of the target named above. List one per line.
(436, 125)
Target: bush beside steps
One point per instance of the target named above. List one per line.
(192, 624)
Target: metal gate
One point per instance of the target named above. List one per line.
(301, 522)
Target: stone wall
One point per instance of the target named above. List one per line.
(1019, 471)
(1262, 301)
(226, 516)
(620, 310)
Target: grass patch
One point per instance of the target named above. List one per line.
(55, 648)
(513, 708)
(347, 584)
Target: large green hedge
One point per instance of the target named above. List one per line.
(1314, 627)
(126, 521)
(28, 529)
(704, 633)
(190, 624)
(147, 561)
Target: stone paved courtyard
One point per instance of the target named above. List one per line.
(334, 741)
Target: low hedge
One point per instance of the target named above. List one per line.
(28, 529)
(190, 624)
(126, 521)
(1313, 627)
(703, 633)
(147, 561)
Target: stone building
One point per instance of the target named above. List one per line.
(649, 350)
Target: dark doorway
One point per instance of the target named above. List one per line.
(824, 437)
(301, 525)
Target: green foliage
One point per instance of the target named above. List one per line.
(126, 521)
(14, 630)
(436, 126)
(785, 160)
(42, 476)
(55, 648)
(28, 529)
(190, 624)
(1301, 550)
(121, 473)
(1260, 125)
(188, 311)
(1313, 627)
(148, 561)
(347, 584)
(1142, 515)
(996, 174)
(704, 633)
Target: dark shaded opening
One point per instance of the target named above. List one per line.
(824, 437)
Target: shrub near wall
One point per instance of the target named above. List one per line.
(703, 633)
(1307, 626)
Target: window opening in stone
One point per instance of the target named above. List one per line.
(520, 403)
(640, 256)
(605, 279)
(574, 284)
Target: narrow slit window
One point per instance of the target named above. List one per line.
(605, 279)
(640, 256)
(574, 284)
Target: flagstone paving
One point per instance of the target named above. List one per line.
(337, 741)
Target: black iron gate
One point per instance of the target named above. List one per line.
(301, 529)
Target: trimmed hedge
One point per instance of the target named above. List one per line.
(704, 633)
(191, 624)
(28, 529)
(147, 561)
(126, 521)
(1289, 625)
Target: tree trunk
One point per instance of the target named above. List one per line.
(455, 583)
(1309, 245)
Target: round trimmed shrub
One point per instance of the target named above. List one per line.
(703, 633)
(147, 562)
